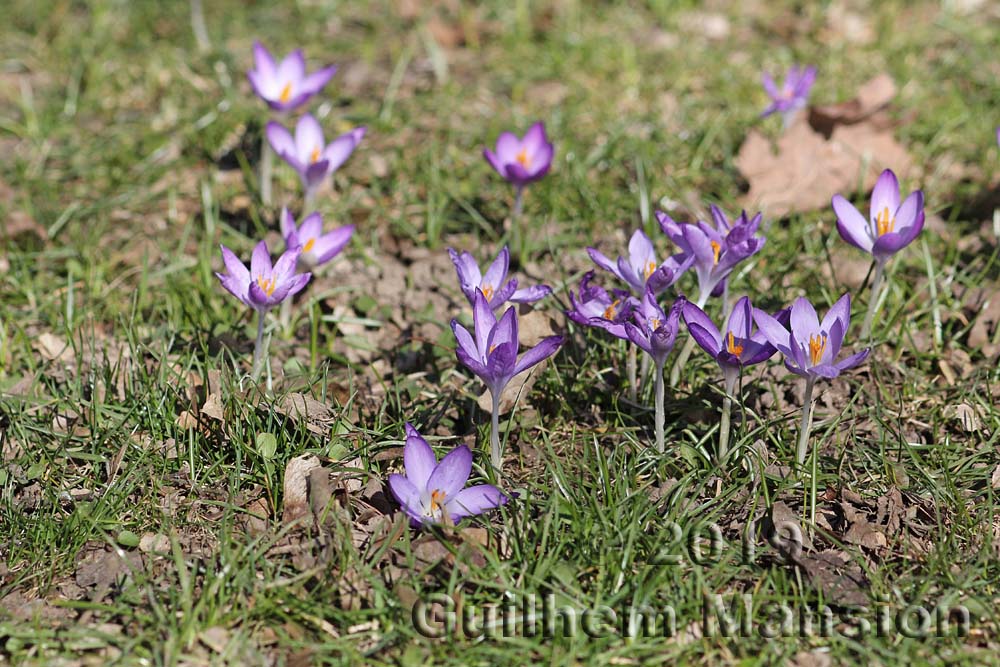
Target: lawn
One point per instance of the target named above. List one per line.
(159, 505)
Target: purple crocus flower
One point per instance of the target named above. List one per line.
(308, 153)
(715, 251)
(654, 331)
(317, 247)
(263, 286)
(285, 85)
(493, 284)
(492, 355)
(522, 161)
(811, 348)
(890, 226)
(433, 492)
(641, 269)
(595, 307)
(740, 346)
(793, 94)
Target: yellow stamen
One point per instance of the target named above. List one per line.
(716, 248)
(488, 292)
(884, 222)
(437, 500)
(650, 268)
(314, 156)
(817, 344)
(522, 158)
(612, 310)
(266, 284)
(654, 324)
(286, 94)
(732, 346)
(309, 245)
(492, 347)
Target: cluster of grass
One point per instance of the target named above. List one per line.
(132, 151)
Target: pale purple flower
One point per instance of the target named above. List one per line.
(492, 353)
(740, 346)
(793, 94)
(595, 307)
(811, 347)
(308, 153)
(522, 161)
(263, 286)
(285, 85)
(654, 331)
(493, 284)
(317, 247)
(641, 269)
(890, 226)
(433, 493)
(715, 251)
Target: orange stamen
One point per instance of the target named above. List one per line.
(314, 156)
(522, 158)
(884, 223)
(817, 344)
(488, 292)
(437, 500)
(286, 93)
(612, 310)
(716, 248)
(309, 245)
(650, 268)
(732, 346)
(654, 324)
(266, 284)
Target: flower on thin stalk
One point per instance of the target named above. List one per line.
(810, 346)
(433, 492)
(890, 226)
(522, 161)
(654, 331)
(317, 248)
(715, 250)
(792, 96)
(307, 151)
(285, 85)
(595, 307)
(641, 269)
(263, 286)
(740, 346)
(493, 284)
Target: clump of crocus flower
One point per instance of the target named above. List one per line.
(596, 307)
(655, 332)
(792, 96)
(317, 248)
(492, 355)
(521, 161)
(641, 269)
(493, 284)
(715, 251)
(738, 348)
(810, 348)
(262, 287)
(433, 493)
(308, 153)
(284, 86)
(891, 226)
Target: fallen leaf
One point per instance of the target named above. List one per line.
(296, 487)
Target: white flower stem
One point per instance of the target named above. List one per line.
(258, 350)
(727, 409)
(266, 169)
(285, 314)
(518, 204)
(633, 390)
(309, 200)
(806, 426)
(496, 456)
(658, 390)
(873, 299)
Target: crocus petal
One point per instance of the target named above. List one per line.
(315, 173)
(474, 500)
(452, 473)
(260, 261)
(287, 223)
(418, 459)
(314, 82)
(797, 350)
(828, 371)
(530, 294)
(503, 294)
(851, 224)
(772, 330)
(504, 333)
(508, 146)
(804, 319)
(702, 329)
(467, 348)
(497, 271)
(238, 289)
(485, 321)
(910, 210)
(295, 285)
(602, 261)
(332, 243)
(286, 264)
(308, 138)
(407, 496)
(534, 140)
(341, 148)
(281, 140)
(841, 310)
(293, 68)
(545, 349)
(741, 318)
(312, 226)
(467, 271)
(263, 61)
(853, 360)
(893, 242)
(542, 161)
(494, 161)
(234, 266)
(638, 337)
(641, 252)
(885, 195)
(517, 174)
(769, 86)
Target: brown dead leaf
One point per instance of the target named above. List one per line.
(872, 97)
(53, 348)
(316, 416)
(296, 487)
(212, 408)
